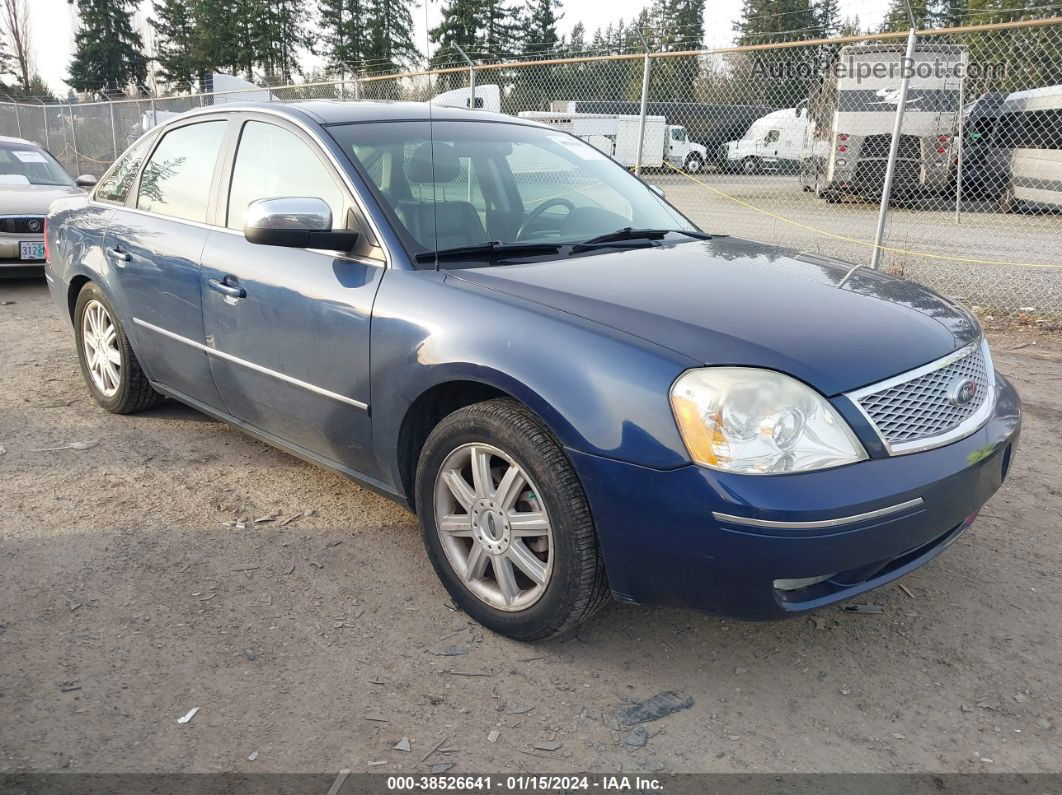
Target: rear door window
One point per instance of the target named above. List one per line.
(176, 181)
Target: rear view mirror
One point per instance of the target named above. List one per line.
(85, 181)
(295, 222)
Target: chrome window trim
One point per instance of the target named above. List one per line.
(24, 215)
(212, 228)
(841, 520)
(343, 175)
(252, 366)
(162, 129)
(960, 431)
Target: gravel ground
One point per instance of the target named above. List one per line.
(131, 592)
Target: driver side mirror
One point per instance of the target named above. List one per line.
(85, 181)
(657, 190)
(295, 222)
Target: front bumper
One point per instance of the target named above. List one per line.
(663, 545)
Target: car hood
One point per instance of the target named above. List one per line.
(32, 199)
(728, 301)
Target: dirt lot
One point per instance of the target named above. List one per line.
(130, 594)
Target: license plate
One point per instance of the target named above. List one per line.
(31, 250)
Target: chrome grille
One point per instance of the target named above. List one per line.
(22, 224)
(908, 412)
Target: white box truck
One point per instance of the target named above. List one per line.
(616, 134)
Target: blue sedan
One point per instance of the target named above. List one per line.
(578, 392)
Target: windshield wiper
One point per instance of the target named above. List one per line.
(492, 251)
(630, 233)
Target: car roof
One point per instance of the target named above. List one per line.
(7, 139)
(344, 112)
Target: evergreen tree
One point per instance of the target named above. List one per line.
(7, 63)
(678, 26)
(390, 35)
(108, 53)
(499, 29)
(927, 14)
(226, 33)
(828, 17)
(781, 78)
(175, 33)
(459, 26)
(278, 32)
(345, 36)
(540, 33)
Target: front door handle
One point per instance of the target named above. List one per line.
(117, 254)
(227, 288)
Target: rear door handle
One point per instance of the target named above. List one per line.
(117, 254)
(226, 289)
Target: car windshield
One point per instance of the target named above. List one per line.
(466, 184)
(26, 164)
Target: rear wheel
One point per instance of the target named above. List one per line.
(108, 364)
(506, 523)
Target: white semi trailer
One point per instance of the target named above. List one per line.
(616, 135)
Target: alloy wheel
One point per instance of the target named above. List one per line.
(493, 527)
(99, 337)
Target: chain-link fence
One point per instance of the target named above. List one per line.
(786, 142)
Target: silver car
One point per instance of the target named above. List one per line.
(30, 180)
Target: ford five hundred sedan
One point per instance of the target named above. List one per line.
(577, 391)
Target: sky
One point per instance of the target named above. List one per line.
(51, 23)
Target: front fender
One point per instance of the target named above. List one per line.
(601, 391)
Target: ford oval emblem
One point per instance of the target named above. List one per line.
(34, 226)
(961, 391)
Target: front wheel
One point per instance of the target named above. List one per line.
(694, 163)
(108, 363)
(506, 523)
(751, 165)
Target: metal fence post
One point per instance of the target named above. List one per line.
(357, 86)
(154, 114)
(73, 138)
(47, 137)
(18, 121)
(646, 72)
(471, 77)
(958, 149)
(890, 169)
(114, 130)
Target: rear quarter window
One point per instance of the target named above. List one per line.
(114, 187)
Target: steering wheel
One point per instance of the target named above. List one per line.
(535, 213)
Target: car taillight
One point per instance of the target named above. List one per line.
(44, 231)
(842, 136)
(942, 150)
(842, 148)
(943, 138)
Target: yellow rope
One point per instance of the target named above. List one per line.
(869, 243)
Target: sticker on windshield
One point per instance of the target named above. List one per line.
(29, 156)
(577, 147)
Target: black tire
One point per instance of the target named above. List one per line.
(577, 586)
(694, 163)
(751, 165)
(134, 392)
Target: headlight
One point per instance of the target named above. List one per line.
(741, 419)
